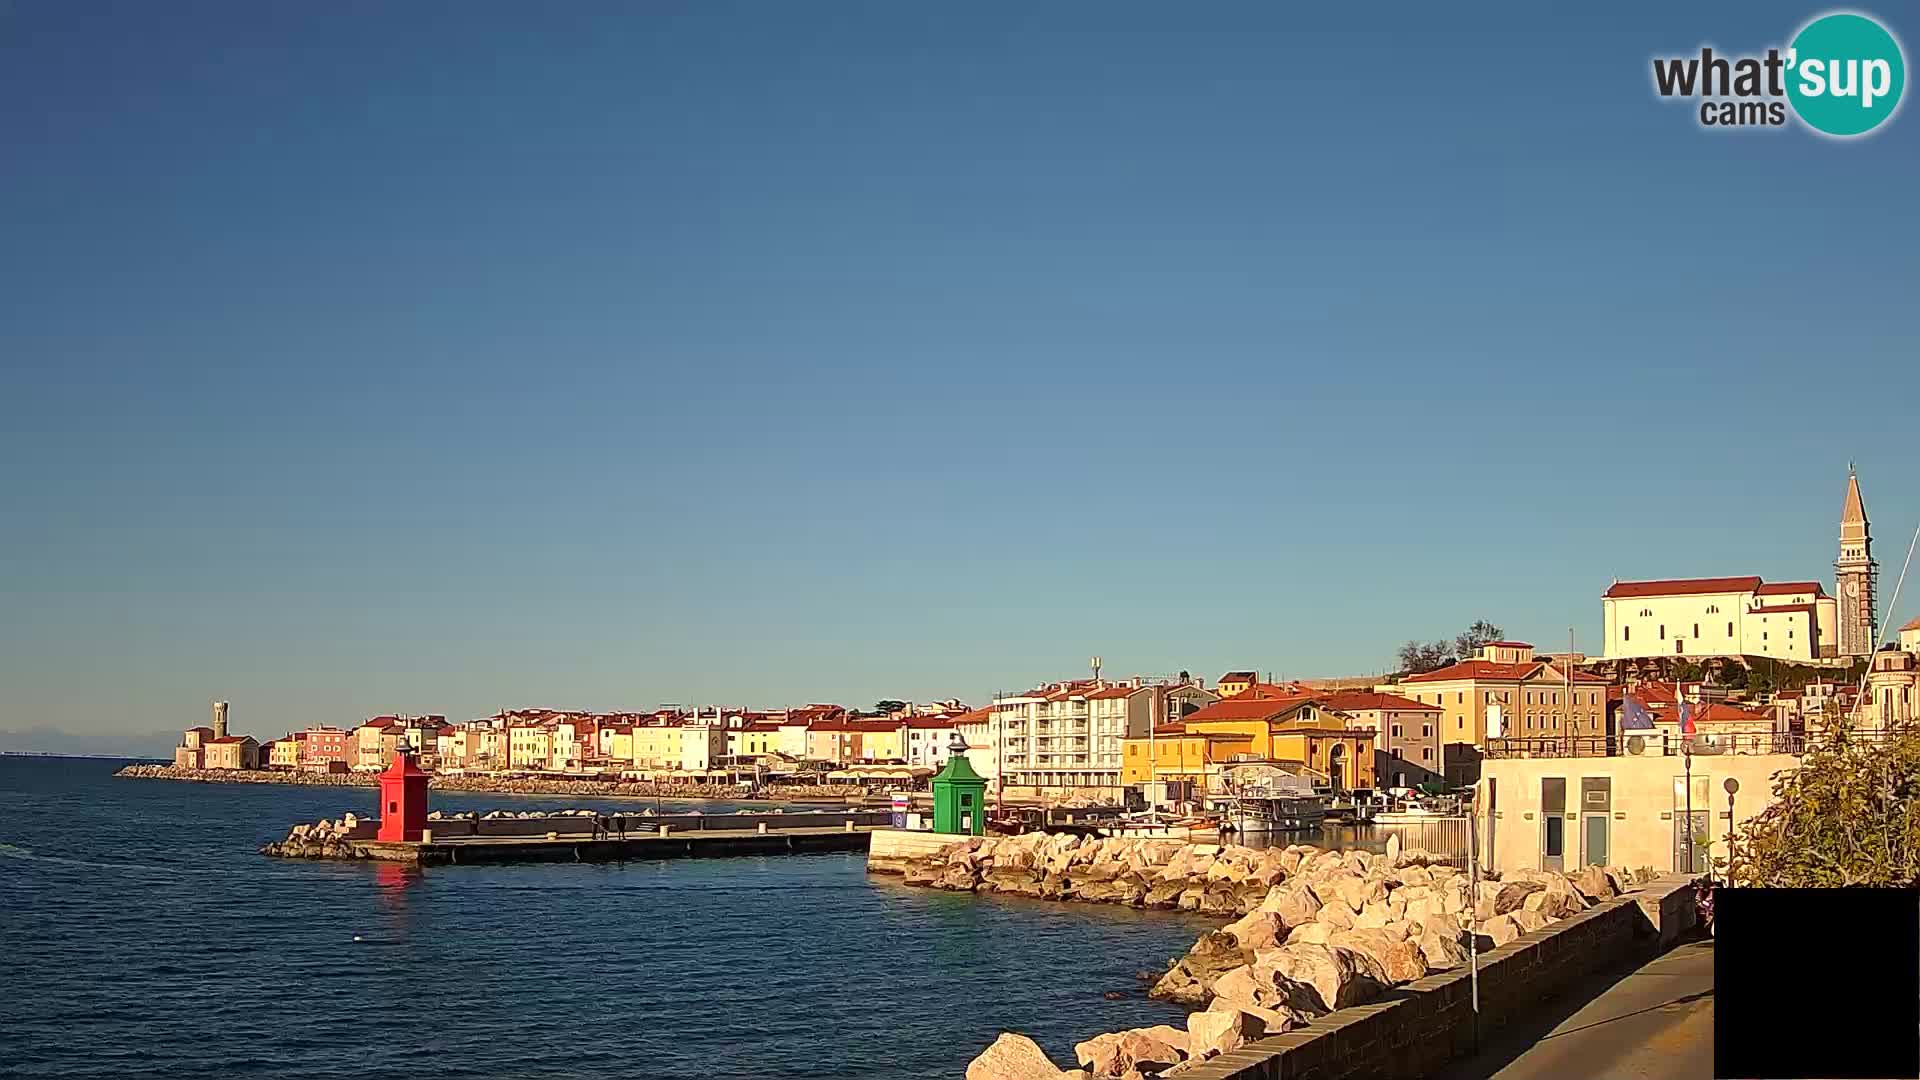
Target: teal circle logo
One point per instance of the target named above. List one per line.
(1846, 73)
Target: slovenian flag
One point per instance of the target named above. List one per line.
(1686, 719)
(1634, 715)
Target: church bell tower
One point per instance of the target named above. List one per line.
(1855, 574)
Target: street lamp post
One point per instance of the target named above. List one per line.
(1686, 758)
(1733, 788)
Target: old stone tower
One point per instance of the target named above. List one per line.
(1855, 574)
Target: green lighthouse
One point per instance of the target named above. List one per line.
(959, 794)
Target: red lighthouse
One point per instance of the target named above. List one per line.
(403, 800)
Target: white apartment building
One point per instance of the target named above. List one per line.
(1070, 735)
(1731, 616)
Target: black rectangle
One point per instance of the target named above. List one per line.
(1778, 952)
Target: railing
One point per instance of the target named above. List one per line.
(1664, 744)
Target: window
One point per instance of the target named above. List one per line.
(1646, 613)
(1729, 629)
(1712, 609)
(1426, 753)
(1696, 629)
(1626, 633)
(1663, 631)
(1426, 730)
(1396, 731)
(1460, 698)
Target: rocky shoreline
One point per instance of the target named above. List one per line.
(499, 785)
(1317, 931)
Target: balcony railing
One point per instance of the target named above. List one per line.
(1663, 744)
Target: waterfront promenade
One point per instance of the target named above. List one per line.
(1653, 1021)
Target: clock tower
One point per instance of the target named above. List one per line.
(1855, 574)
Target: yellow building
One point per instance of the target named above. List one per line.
(285, 753)
(1300, 730)
(1506, 692)
(657, 747)
(1236, 682)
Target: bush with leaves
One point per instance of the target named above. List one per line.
(1849, 815)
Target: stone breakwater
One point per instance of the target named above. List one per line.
(1318, 931)
(497, 785)
(324, 839)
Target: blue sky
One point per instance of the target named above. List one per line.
(442, 357)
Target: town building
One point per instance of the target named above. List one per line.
(286, 753)
(930, 739)
(1561, 813)
(232, 752)
(1893, 685)
(976, 727)
(1856, 575)
(1184, 760)
(192, 751)
(1234, 683)
(1794, 621)
(1068, 737)
(1406, 734)
(1731, 616)
(1504, 691)
(326, 749)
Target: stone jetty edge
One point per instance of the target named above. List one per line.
(496, 785)
(1321, 935)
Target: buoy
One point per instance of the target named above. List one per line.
(356, 937)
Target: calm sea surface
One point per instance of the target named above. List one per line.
(142, 935)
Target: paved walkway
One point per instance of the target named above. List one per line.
(1654, 1022)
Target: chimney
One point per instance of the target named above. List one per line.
(219, 719)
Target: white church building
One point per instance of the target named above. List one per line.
(1745, 616)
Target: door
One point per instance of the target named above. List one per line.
(1553, 823)
(1701, 835)
(1595, 847)
(1596, 815)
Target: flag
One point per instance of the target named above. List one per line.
(1686, 719)
(1634, 715)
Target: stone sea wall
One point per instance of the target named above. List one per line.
(497, 785)
(1318, 931)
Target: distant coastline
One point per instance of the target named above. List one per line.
(500, 785)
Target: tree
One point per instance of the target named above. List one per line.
(1467, 643)
(887, 706)
(1849, 815)
(1419, 657)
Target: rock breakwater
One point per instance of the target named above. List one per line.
(324, 839)
(1317, 931)
(499, 785)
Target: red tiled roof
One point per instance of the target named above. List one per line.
(1509, 645)
(1242, 707)
(1112, 692)
(1784, 588)
(764, 725)
(977, 716)
(1493, 671)
(1726, 714)
(1682, 587)
(1239, 676)
(1359, 700)
(934, 722)
(1272, 690)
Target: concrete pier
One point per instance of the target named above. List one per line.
(469, 839)
(664, 844)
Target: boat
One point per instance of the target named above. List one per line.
(1419, 812)
(1159, 826)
